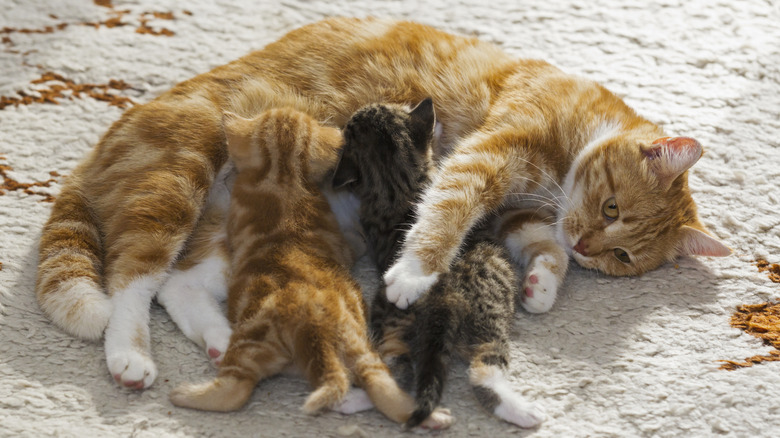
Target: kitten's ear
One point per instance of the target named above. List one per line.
(670, 156)
(696, 242)
(423, 118)
(238, 132)
(346, 172)
(324, 152)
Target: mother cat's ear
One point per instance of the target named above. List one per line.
(423, 120)
(668, 157)
(694, 241)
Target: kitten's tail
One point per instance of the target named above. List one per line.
(374, 377)
(437, 332)
(68, 285)
(223, 394)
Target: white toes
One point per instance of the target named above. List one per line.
(132, 370)
(539, 290)
(406, 281)
(440, 418)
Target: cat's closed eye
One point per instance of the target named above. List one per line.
(610, 209)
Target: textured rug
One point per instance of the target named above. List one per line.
(615, 357)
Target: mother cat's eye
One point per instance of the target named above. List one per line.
(622, 255)
(610, 208)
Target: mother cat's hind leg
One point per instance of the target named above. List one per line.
(530, 238)
(157, 164)
(192, 298)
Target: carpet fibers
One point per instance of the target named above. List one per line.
(616, 357)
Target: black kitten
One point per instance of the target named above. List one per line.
(386, 162)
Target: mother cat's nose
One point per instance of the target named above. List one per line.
(581, 247)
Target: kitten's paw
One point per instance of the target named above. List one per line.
(217, 340)
(132, 369)
(540, 288)
(520, 412)
(406, 281)
(440, 418)
(355, 401)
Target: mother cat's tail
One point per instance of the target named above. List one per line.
(69, 286)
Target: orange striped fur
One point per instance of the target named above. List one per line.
(291, 300)
(513, 131)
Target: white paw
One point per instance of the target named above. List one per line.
(440, 418)
(520, 412)
(132, 369)
(406, 281)
(356, 400)
(540, 289)
(217, 340)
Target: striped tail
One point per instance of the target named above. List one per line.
(437, 335)
(68, 286)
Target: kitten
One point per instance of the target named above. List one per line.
(517, 135)
(386, 161)
(291, 300)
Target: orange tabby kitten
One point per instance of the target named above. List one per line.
(517, 137)
(291, 300)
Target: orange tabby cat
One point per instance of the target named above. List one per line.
(291, 300)
(517, 136)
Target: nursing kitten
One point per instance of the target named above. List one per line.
(518, 135)
(291, 300)
(386, 161)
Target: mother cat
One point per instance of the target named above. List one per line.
(519, 138)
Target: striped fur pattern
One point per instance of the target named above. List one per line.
(516, 134)
(469, 311)
(291, 300)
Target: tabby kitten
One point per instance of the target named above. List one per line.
(291, 300)
(386, 161)
(517, 135)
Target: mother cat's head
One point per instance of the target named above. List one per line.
(630, 209)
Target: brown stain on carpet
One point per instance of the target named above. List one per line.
(112, 22)
(760, 320)
(57, 86)
(772, 269)
(9, 184)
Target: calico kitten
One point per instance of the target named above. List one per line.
(386, 161)
(517, 135)
(291, 300)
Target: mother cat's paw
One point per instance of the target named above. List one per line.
(132, 369)
(406, 281)
(540, 287)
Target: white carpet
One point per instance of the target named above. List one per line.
(615, 357)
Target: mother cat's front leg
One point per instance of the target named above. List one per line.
(530, 237)
(472, 182)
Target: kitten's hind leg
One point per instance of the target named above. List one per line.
(493, 390)
(192, 299)
(530, 239)
(249, 358)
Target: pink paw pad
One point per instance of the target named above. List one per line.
(529, 292)
(533, 279)
(214, 353)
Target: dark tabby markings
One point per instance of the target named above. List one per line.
(487, 397)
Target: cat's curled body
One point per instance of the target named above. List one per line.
(291, 300)
(517, 134)
(386, 161)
